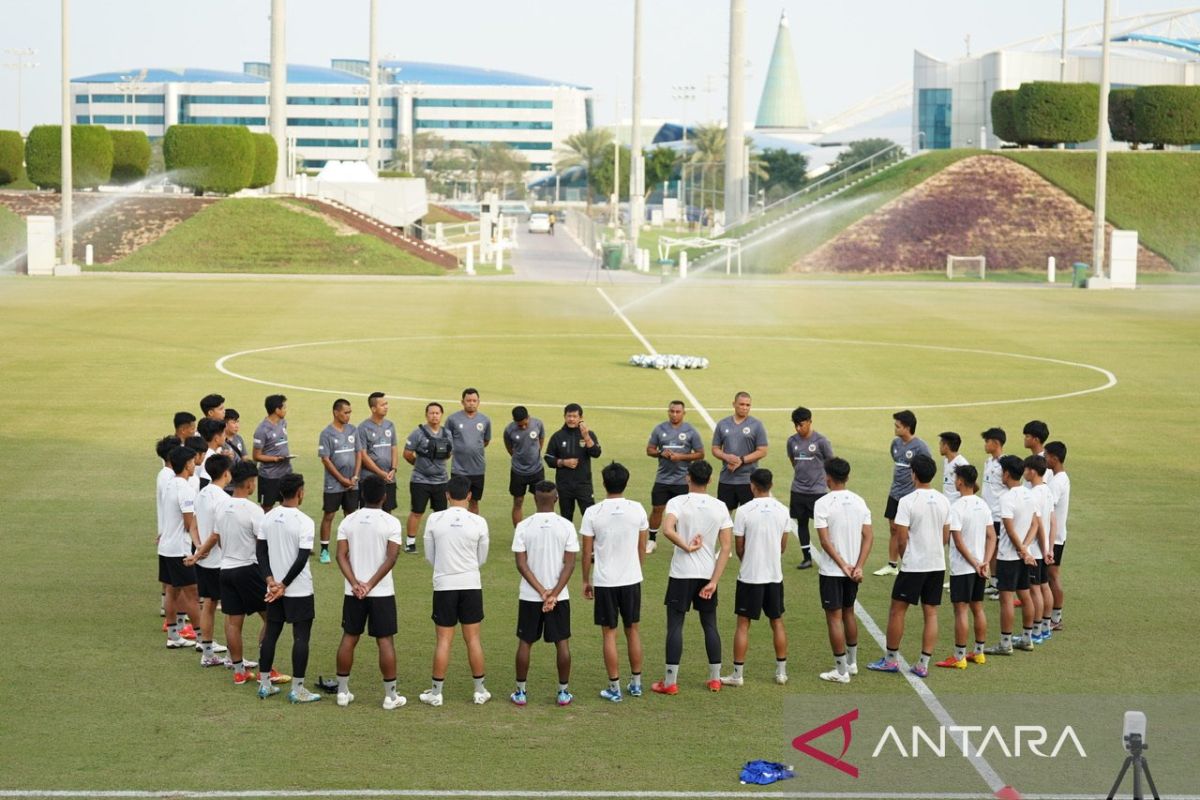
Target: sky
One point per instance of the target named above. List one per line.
(845, 51)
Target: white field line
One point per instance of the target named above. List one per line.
(522, 793)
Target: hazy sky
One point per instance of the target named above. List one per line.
(846, 51)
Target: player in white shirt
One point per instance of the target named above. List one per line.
(1013, 558)
(615, 532)
(948, 444)
(210, 504)
(175, 543)
(212, 431)
(284, 544)
(544, 546)
(843, 523)
(701, 530)
(993, 490)
(368, 544)
(972, 545)
(163, 448)
(198, 446)
(456, 545)
(923, 528)
(760, 535)
(1039, 589)
(1060, 487)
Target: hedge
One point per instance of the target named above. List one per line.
(91, 156)
(1051, 113)
(12, 156)
(1167, 114)
(1004, 121)
(209, 158)
(266, 156)
(131, 156)
(1120, 116)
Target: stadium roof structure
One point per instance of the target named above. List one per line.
(1190, 45)
(304, 73)
(160, 75)
(782, 104)
(425, 72)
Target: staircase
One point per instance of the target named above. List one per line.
(373, 227)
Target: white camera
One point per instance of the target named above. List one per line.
(1135, 725)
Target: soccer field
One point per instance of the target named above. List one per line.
(94, 368)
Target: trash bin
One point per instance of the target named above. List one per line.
(665, 265)
(612, 256)
(1079, 272)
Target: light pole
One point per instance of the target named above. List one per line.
(685, 94)
(278, 90)
(735, 166)
(636, 177)
(1098, 228)
(68, 177)
(130, 87)
(20, 65)
(1062, 53)
(373, 92)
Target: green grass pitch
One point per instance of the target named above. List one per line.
(94, 368)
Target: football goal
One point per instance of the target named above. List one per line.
(961, 265)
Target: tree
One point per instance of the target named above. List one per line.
(1120, 117)
(1168, 114)
(1004, 118)
(586, 149)
(1048, 112)
(131, 156)
(788, 172)
(91, 156)
(428, 146)
(12, 156)
(496, 166)
(604, 174)
(266, 160)
(862, 150)
(660, 166)
(210, 158)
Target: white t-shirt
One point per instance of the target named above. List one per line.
(993, 485)
(925, 513)
(202, 473)
(367, 532)
(456, 546)
(544, 538)
(1060, 487)
(287, 531)
(762, 522)
(949, 470)
(239, 525)
(972, 516)
(178, 499)
(1043, 500)
(209, 504)
(1016, 505)
(615, 525)
(160, 484)
(844, 514)
(697, 514)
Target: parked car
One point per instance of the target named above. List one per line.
(539, 223)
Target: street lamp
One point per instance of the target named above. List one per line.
(1098, 228)
(20, 65)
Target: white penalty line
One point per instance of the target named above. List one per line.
(985, 770)
(503, 793)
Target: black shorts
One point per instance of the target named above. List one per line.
(208, 582)
(752, 600)
(550, 626)
(376, 614)
(242, 591)
(268, 490)
(346, 500)
(663, 492)
(734, 494)
(292, 609)
(1037, 573)
(1012, 576)
(967, 588)
(837, 591)
(922, 587)
(801, 507)
(1058, 551)
(614, 601)
(389, 497)
(893, 505)
(684, 593)
(519, 484)
(457, 606)
(433, 494)
(476, 486)
(172, 571)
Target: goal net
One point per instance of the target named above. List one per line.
(965, 265)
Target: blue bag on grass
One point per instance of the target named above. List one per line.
(764, 772)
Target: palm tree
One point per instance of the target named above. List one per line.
(586, 149)
(708, 153)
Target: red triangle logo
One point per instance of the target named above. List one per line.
(842, 723)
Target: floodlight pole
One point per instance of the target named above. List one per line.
(1062, 57)
(735, 168)
(20, 65)
(68, 178)
(373, 91)
(278, 98)
(1098, 227)
(636, 175)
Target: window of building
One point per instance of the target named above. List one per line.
(506, 124)
(933, 119)
(187, 119)
(230, 100)
(323, 122)
(327, 101)
(430, 102)
(389, 143)
(513, 145)
(119, 98)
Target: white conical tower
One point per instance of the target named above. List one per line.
(782, 104)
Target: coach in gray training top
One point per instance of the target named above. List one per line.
(675, 444)
(472, 433)
(523, 439)
(809, 451)
(427, 449)
(271, 450)
(905, 447)
(379, 445)
(738, 442)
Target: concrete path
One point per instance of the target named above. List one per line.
(560, 259)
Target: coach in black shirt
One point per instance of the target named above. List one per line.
(570, 452)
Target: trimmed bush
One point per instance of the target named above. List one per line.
(12, 156)
(1167, 114)
(1051, 113)
(266, 156)
(1120, 116)
(131, 156)
(91, 156)
(209, 158)
(1004, 121)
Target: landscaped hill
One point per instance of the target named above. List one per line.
(985, 205)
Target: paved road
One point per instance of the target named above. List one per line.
(560, 259)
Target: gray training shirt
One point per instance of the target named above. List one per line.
(425, 469)
(808, 459)
(377, 441)
(470, 435)
(339, 447)
(902, 456)
(526, 446)
(682, 440)
(739, 440)
(272, 440)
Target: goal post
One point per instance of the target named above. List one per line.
(962, 265)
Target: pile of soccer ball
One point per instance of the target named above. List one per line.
(672, 361)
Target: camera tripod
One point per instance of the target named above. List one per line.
(1135, 747)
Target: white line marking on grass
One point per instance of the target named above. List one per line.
(522, 793)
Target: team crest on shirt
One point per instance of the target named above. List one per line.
(682, 437)
(387, 433)
(479, 427)
(746, 430)
(812, 448)
(533, 434)
(581, 443)
(908, 454)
